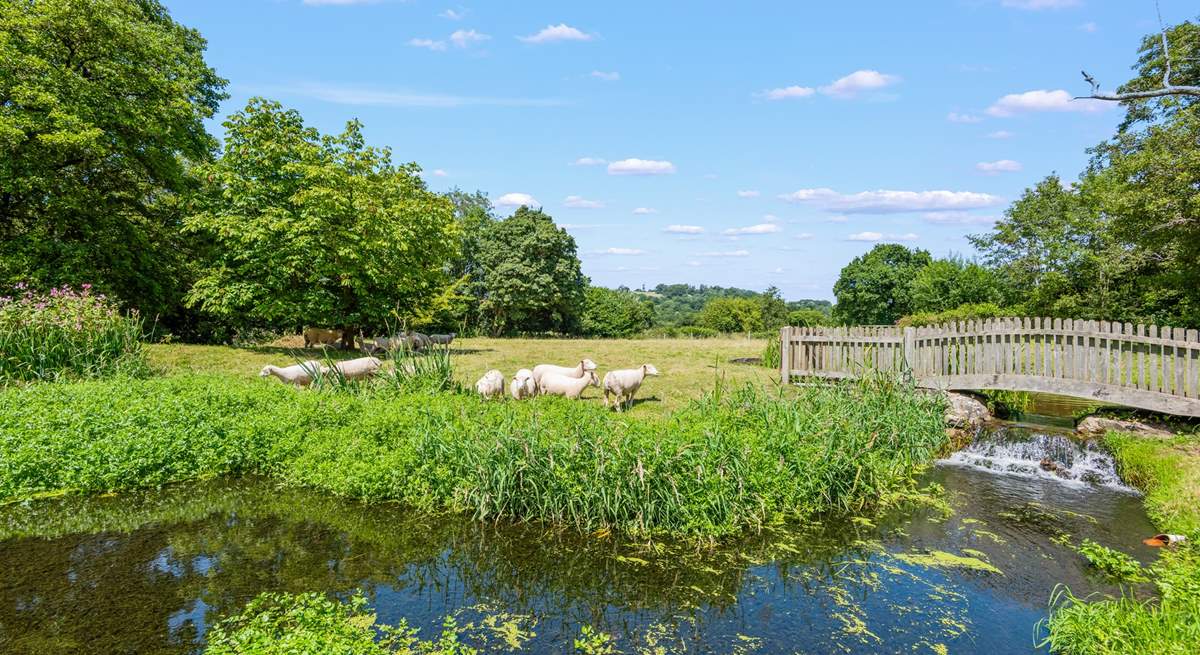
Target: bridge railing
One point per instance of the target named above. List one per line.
(1144, 366)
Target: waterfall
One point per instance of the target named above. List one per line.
(1025, 452)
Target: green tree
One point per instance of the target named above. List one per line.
(1184, 43)
(615, 313)
(948, 283)
(807, 318)
(774, 310)
(876, 288)
(321, 230)
(529, 277)
(732, 315)
(102, 106)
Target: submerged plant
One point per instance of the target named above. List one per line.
(1114, 563)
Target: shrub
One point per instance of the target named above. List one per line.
(683, 331)
(772, 356)
(960, 313)
(728, 462)
(808, 318)
(67, 334)
(615, 313)
(731, 315)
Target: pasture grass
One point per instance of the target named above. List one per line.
(687, 367)
(1168, 471)
(736, 459)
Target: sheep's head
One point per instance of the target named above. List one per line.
(588, 365)
(592, 379)
(266, 370)
(649, 369)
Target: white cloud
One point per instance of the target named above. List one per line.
(858, 82)
(777, 270)
(1089, 27)
(786, 92)
(999, 166)
(770, 218)
(516, 200)
(955, 117)
(606, 76)
(804, 236)
(956, 218)
(438, 172)
(579, 202)
(436, 46)
(454, 15)
(1043, 100)
(636, 166)
(693, 263)
(1000, 134)
(1036, 5)
(348, 95)
(727, 253)
(879, 236)
(560, 32)
(464, 38)
(621, 251)
(684, 229)
(748, 194)
(642, 211)
(589, 161)
(761, 228)
(838, 219)
(892, 202)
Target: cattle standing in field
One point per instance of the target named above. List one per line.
(320, 337)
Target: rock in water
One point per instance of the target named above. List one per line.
(965, 412)
(1097, 425)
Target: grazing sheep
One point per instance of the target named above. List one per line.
(491, 385)
(320, 337)
(357, 369)
(418, 341)
(553, 384)
(522, 385)
(300, 374)
(442, 339)
(576, 371)
(625, 383)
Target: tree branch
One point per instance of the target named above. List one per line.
(1167, 88)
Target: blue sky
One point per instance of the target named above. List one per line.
(742, 144)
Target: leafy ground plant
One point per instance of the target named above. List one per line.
(67, 334)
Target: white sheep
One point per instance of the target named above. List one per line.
(442, 339)
(356, 369)
(300, 374)
(491, 385)
(522, 385)
(625, 383)
(554, 384)
(575, 371)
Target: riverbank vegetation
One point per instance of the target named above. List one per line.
(734, 460)
(1168, 472)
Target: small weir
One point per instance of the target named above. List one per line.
(1033, 452)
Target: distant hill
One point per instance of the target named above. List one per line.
(677, 304)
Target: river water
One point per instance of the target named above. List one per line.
(149, 572)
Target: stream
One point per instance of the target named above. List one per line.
(149, 572)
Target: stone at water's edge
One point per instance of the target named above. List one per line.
(965, 412)
(1098, 425)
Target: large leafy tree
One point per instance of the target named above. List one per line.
(102, 106)
(1183, 41)
(876, 288)
(948, 283)
(318, 230)
(726, 314)
(615, 312)
(528, 276)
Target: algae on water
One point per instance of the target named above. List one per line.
(942, 559)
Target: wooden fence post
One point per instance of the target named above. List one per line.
(785, 355)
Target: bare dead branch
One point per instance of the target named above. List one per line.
(1167, 88)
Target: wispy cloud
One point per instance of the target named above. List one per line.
(361, 96)
(1042, 100)
(579, 202)
(761, 228)
(437, 172)
(1037, 5)
(1000, 134)
(999, 166)
(1089, 27)
(454, 14)
(858, 82)
(683, 229)
(804, 236)
(589, 161)
(611, 76)
(891, 202)
(957, 218)
(464, 38)
(621, 251)
(786, 92)
(726, 253)
(955, 117)
(560, 32)
(428, 44)
(643, 211)
(879, 236)
(750, 193)
(636, 166)
(516, 200)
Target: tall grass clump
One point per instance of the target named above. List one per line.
(732, 461)
(67, 334)
(772, 354)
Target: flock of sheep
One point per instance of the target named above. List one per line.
(379, 345)
(544, 379)
(567, 381)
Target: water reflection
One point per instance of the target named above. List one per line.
(149, 572)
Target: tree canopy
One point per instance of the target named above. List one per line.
(876, 288)
(310, 228)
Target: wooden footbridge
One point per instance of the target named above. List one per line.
(1140, 366)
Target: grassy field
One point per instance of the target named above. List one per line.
(687, 367)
